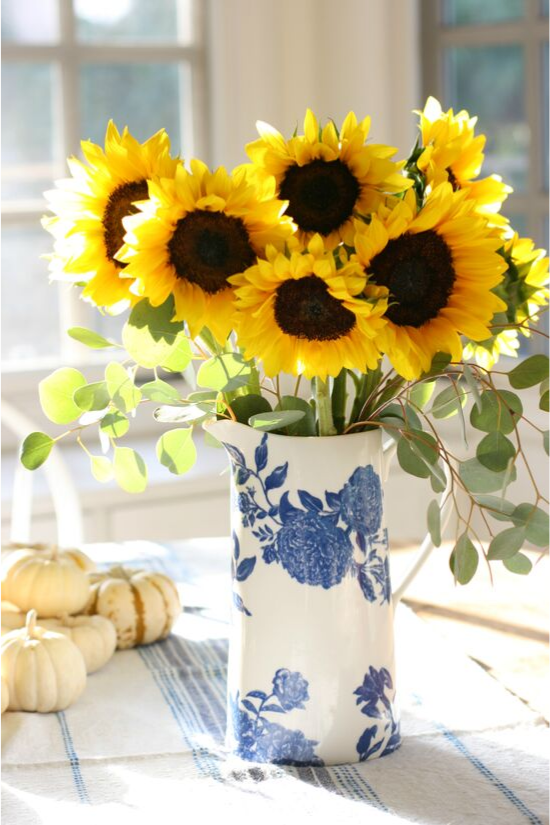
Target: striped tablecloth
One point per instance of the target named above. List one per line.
(145, 741)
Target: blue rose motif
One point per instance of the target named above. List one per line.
(313, 550)
(282, 746)
(373, 690)
(361, 501)
(290, 688)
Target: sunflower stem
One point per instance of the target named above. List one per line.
(324, 408)
(339, 398)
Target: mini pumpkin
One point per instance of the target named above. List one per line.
(143, 605)
(5, 695)
(94, 636)
(78, 556)
(12, 617)
(44, 670)
(50, 582)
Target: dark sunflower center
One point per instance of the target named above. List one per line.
(418, 271)
(321, 195)
(207, 247)
(119, 205)
(305, 309)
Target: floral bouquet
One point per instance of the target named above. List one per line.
(324, 289)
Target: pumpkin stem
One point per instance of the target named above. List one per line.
(118, 572)
(30, 623)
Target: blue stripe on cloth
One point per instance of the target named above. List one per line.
(205, 762)
(489, 775)
(74, 761)
(476, 762)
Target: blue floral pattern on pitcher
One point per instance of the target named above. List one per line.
(313, 541)
(382, 737)
(262, 740)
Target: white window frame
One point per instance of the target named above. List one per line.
(67, 55)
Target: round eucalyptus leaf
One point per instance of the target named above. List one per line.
(176, 450)
(506, 544)
(494, 451)
(130, 470)
(464, 560)
(35, 449)
(519, 564)
(56, 394)
(529, 372)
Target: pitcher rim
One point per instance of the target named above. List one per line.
(377, 432)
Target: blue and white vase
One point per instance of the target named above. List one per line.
(311, 664)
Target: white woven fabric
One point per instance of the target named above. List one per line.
(146, 739)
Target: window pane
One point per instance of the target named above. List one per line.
(28, 21)
(519, 223)
(123, 21)
(465, 12)
(489, 81)
(30, 313)
(144, 97)
(29, 146)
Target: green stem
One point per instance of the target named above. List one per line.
(339, 398)
(324, 408)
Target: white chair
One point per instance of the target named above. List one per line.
(68, 511)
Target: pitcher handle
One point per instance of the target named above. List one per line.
(445, 509)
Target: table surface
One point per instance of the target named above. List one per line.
(146, 738)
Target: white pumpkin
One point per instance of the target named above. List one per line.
(94, 636)
(5, 695)
(78, 556)
(50, 582)
(12, 617)
(143, 605)
(44, 670)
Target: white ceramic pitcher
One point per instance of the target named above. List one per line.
(311, 660)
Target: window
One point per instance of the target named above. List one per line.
(67, 67)
(491, 58)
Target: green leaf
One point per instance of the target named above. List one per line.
(498, 508)
(519, 564)
(152, 338)
(494, 451)
(479, 479)
(545, 441)
(176, 450)
(102, 469)
(529, 372)
(410, 461)
(180, 357)
(506, 544)
(544, 403)
(434, 522)
(224, 373)
(89, 338)
(448, 402)
(56, 395)
(499, 411)
(464, 560)
(130, 470)
(424, 445)
(92, 396)
(306, 425)
(440, 362)
(115, 424)
(35, 449)
(275, 420)
(535, 522)
(124, 394)
(245, 406)
(160, 391)
(177, 415)
(469, 377)
(421, 393)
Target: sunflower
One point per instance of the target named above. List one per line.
(452, 152)
(197, 229)
(439, 265)
(327, 176)
(300, 314)
(89, 208)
